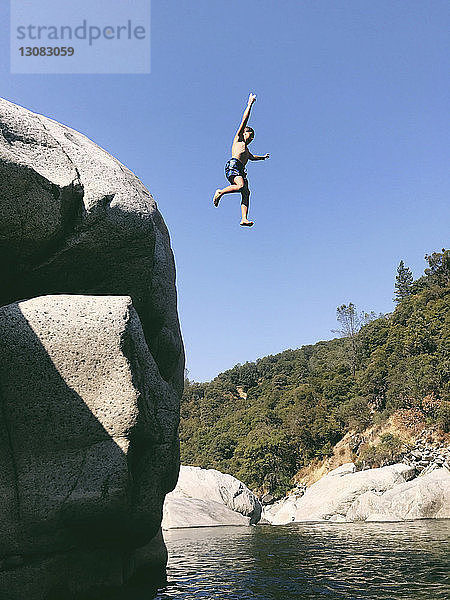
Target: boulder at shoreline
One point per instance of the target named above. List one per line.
(332, 497)
(334, 493)
(180, 513)
(206, 497)
(426, 497)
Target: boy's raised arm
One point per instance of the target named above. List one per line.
(246, 115)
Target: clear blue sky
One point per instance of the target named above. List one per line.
(353, 100)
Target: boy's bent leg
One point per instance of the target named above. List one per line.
(245, 202)
(230, 189)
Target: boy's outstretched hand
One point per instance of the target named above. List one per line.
(251, 99)
(266, 156)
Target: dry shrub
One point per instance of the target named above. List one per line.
(409, 418)
(431, 404)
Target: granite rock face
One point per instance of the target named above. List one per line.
(74, 220)
(281, 512)
(91, 369)
(194, 512)
(391, 493)
(205, 497)
(336, 492)
(88, 438)
(330, 498)
(426, 497)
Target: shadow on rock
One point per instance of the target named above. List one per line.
(88, 448)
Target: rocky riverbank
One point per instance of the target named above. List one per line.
(207, 498)
(391, 493)
(426, 457)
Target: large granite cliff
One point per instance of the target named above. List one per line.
(91, 364)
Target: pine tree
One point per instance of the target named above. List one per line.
(403, 282)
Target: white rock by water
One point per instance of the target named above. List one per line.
(426, 497)
(281, 512)
(205, 497)
(193, 512)
(331, 497)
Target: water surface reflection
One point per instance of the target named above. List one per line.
(382, 561)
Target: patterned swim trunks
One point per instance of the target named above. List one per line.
(234, 167)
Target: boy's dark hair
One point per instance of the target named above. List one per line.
(250, 129)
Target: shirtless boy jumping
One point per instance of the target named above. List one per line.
(235, 168)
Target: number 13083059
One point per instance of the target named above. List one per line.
(46, 51)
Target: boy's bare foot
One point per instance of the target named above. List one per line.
(246, 223)
(216, 198)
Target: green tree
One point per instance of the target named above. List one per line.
(403, 282)
(443, 417)
(350, 322)
(356, 414)
(269, 459)
(438, 270)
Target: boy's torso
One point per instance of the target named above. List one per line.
(239, 151)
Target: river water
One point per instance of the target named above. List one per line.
(382, 561)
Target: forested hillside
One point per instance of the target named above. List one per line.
(264, 420)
